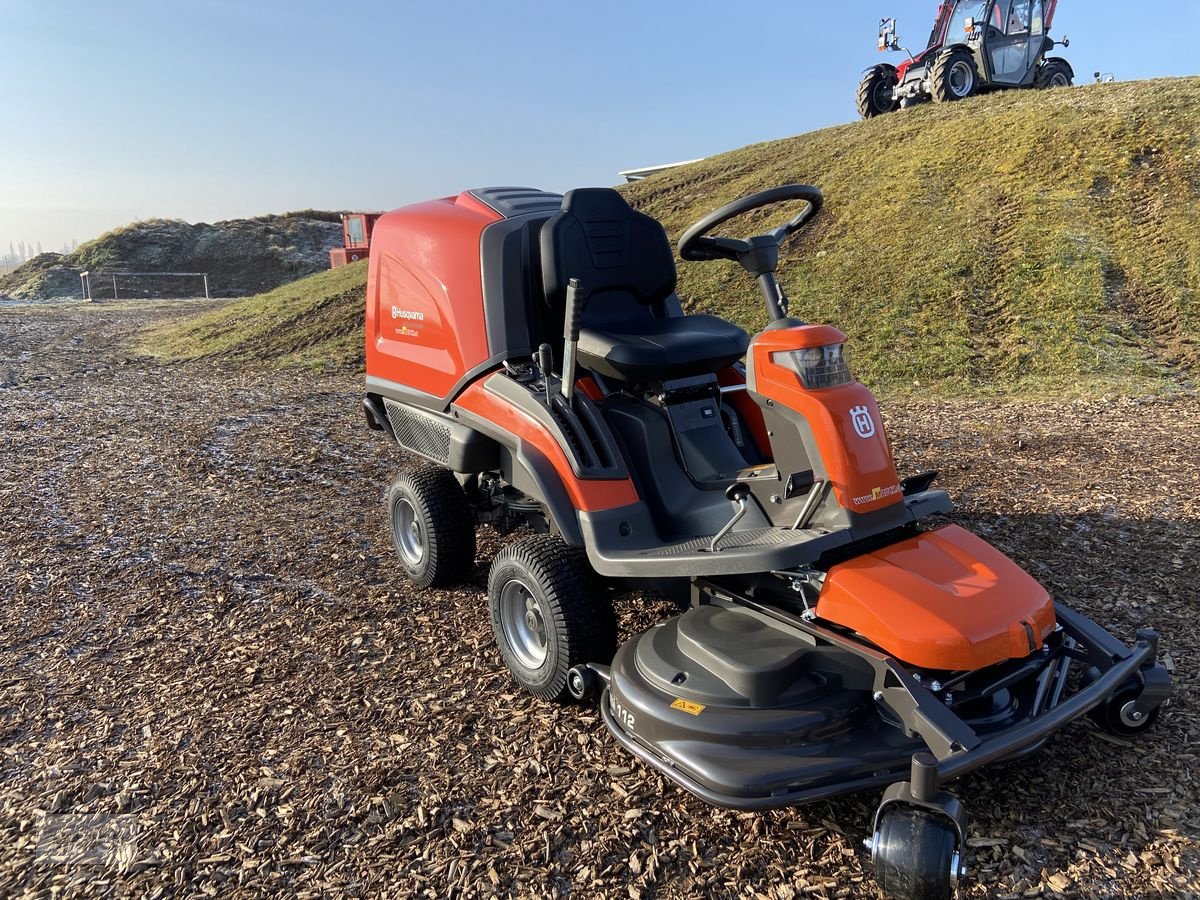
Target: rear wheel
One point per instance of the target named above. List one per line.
(875, 92)
(953, 76)
(549, 613)
(1053, 73)
(915, 854)
(433, 529)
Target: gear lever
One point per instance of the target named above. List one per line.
(737, 493)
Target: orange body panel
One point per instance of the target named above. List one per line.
(425, 325)
(589, 495)
(845, 420)
(942, 600)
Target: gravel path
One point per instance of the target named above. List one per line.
(205, 648)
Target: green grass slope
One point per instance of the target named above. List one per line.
(316, 321)
(1024, 241)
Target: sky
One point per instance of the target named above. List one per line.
(209, 109)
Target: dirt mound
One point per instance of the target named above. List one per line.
(240, 256)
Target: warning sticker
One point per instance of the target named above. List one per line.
(688, 706)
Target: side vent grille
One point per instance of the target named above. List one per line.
(419, 433)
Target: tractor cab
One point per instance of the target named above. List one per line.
(975, 46)
(1008, 36)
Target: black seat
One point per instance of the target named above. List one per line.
(632, 328)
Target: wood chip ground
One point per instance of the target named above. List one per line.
(205, 641)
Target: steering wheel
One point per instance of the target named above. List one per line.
(696, 245)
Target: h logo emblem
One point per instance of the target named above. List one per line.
(864, 425)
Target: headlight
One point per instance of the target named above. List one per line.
(818, 367)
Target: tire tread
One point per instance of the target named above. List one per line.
(450, 539)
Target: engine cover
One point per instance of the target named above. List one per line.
(944, 599)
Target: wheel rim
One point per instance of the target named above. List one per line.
(961, 79)
(1129, 717)
(883, 96)
(523, 624)
(410, 539)
(1059, 80)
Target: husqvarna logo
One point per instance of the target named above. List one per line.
(398, 313)
(864, 425)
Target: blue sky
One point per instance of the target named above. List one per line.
(206, 109)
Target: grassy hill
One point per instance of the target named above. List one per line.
(1025, 241)
(316, 321)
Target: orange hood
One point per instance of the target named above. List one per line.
(942, 600)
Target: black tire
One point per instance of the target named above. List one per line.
(915, 854)
(875, 92)
(1053, 73)
(1114, 715)
(953, 75)
(432, 527)
(549, 612)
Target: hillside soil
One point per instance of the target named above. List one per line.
(211, 667)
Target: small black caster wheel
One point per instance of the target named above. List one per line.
(1117, 715)
(915, 854)
(583, 684)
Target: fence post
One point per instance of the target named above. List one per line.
(206, 286)
(114, 287)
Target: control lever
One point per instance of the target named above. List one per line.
(737, 493)
(545, 362)
(576, 298)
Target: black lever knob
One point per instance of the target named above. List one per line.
(737, 492)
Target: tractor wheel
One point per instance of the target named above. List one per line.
(953, 76)
(875, 92)
(550, 613)
(1053, 73)
(433, 528)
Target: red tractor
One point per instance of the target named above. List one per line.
(975, 46)
(356, 239)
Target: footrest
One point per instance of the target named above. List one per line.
(738, 553)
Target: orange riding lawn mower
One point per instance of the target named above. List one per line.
(835, 634)
(975, 46)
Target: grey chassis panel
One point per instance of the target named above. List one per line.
(622, 542)
(405, 394)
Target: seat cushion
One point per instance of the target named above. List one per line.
(662, 349)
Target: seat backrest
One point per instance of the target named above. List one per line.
(622, 257)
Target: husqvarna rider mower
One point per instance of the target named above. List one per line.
(838, 635)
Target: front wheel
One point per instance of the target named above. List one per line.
(549, 613)
(953, 76)
(875, 92)
(1053, 73)
(915, 854)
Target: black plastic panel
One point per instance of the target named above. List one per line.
(517, 201)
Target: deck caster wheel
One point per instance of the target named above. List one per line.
(915, 854)
(1118, 714)
(583, 684)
